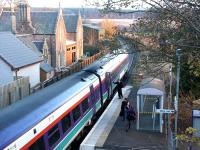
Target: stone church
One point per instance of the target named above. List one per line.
(58, 36)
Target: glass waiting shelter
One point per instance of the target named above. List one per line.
(150, 97)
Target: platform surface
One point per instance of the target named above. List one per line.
(109, 132)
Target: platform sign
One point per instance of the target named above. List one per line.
(175, 104)
(167, 111)
(196, 121)
(196, 113)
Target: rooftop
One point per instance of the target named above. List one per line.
(46, 67)
(15, 53)
(151, 86)
(71, 22)
(44, 21)
(93, 26)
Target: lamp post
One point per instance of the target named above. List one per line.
(169, 106)
(178, 54)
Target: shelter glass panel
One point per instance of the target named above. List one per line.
(148, 118)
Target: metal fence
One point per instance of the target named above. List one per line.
(69, 70)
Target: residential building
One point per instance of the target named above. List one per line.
(17, 60)
(48, 30)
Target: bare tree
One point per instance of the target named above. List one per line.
(110, 28)
(166, 26)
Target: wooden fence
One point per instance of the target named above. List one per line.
(14, 91)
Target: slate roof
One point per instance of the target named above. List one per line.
(5, 21)
(46, 67)
(39, 45)
(44, 21)
(71, 22)
(28, 42)
(15, 53)
(93, 26)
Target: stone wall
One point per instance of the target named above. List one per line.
(14, 91)
(60, 34)
(51, 42)
(79, 38)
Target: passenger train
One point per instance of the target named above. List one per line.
(53, 117)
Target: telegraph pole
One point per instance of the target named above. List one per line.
(178, 51)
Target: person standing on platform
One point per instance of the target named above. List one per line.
(119, 88)
(130, 115)
(123, 106)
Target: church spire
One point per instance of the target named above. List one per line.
(60, 9)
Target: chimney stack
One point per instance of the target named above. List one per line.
(13, 19)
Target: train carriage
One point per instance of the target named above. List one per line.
(52, 117)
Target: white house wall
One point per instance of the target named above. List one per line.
(33, 72)
(6, 75)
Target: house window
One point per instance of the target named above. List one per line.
(68, 49)
(73, 56)
(74, 47)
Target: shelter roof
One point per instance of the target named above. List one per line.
(151, 86)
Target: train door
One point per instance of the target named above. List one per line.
(92, 98)
(109, 83)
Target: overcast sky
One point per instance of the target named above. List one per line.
(55, 3)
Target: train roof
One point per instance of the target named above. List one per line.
(22, 115)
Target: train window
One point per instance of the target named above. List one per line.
(85, 105)
(53, 135)
(38, 145)
(76, 113)
(66, 123)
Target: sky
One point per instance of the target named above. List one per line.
(64, 3)
(55, 3)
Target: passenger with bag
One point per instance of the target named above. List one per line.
(123, 106)
(130, 116)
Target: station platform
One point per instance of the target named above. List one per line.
(109, 132)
